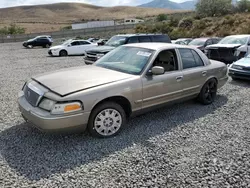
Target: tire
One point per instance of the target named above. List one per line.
(47, 46)
(63, 53)
(208, 92)
(102, 120)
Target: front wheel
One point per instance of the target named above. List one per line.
(63, 53)
(208, 92)
(106, 120)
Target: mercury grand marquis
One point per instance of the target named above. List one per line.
(129, 80)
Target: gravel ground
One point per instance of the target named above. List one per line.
(185, 145)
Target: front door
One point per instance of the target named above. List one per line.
(159, 89)
(74, 49)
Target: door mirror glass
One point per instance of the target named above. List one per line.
(157, 70)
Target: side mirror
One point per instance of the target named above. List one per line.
(157, 70)
(69, 45)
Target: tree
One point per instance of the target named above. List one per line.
(161, 17)
(243, 6)
(210, 8)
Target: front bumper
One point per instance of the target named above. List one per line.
(53, 52)
(88, 62)
(43, 120)
(241, 74)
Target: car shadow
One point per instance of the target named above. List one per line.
(36, 155)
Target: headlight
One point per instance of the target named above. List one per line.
(47, 104)
(99, 55)
(236, 67)
(64, 108)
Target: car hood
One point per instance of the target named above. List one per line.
(223, 46)
(196, 46)
(101, 49)
(56, 47)
(71, 80)
(245, 62)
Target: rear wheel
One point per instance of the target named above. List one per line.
(47, 46)
(106, 120)
(208, 92)
(63, 53)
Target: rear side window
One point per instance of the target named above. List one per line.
(190, 59)
(84, 42)
(133, 40)
(161, 38)
(144, 39)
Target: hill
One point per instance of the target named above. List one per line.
(52, 17)
(187, 5)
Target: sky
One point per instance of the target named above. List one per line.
(11, 3)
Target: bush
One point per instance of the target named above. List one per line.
(211, 8)
(243, 6)
(161, 17)
(67, 27)
(186, 23)
(12, 29)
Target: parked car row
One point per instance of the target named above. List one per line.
(130, 75)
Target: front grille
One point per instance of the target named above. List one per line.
(91, 58)
(91, 53)
(246, 68)
(49, 52)
(31, 96)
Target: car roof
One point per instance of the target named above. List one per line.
(158, 46)
(245, 35)
(139, 34)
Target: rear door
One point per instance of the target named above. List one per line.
(194, 71)
(84, 45)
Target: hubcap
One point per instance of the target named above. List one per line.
(108, 122)
(210, 91)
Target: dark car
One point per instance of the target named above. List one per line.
(201, 43)
(229, 49)
(94, 54)
(42, 41)
(240, 69)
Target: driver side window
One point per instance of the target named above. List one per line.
(76, 43)
(168, 60)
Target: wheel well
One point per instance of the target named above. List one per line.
(63, 50)
(122, 101)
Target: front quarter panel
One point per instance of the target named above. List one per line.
(131, 89)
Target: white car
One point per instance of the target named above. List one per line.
(71, 47)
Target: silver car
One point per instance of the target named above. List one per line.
(125, 82)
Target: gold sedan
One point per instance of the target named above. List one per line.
(125, 82)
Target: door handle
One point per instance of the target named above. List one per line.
(179, 78)
(204, 73)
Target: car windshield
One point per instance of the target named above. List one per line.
(234, 40)
(116, 41)
(131, 60)
(197, 42)
(67, 42)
